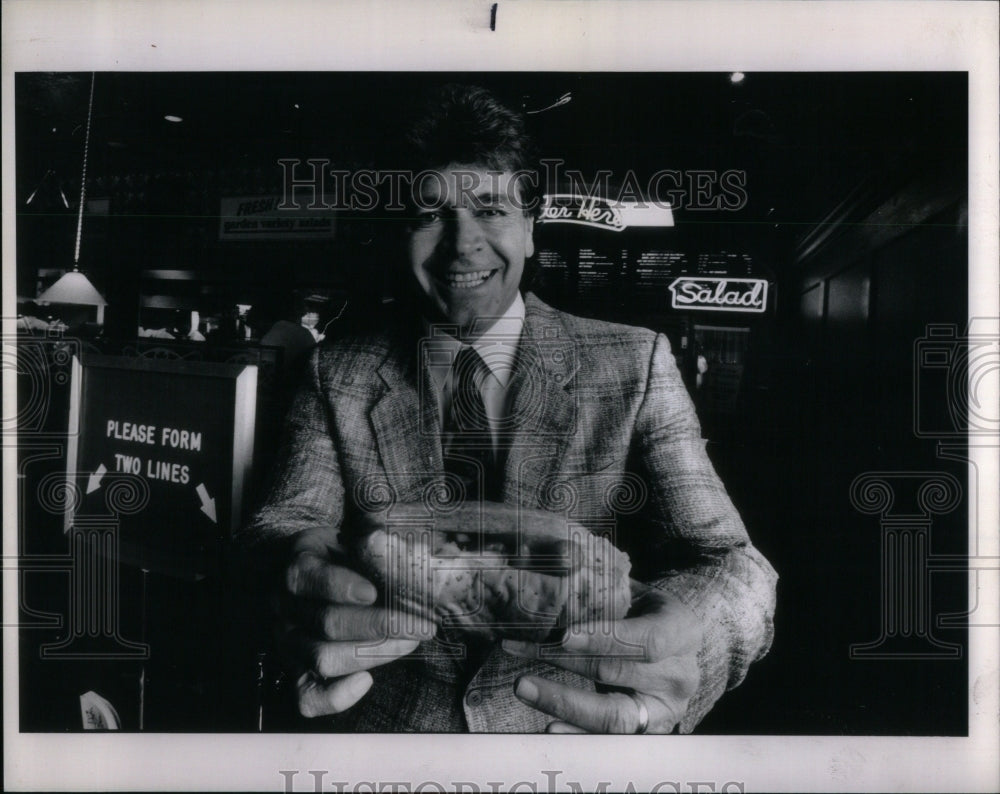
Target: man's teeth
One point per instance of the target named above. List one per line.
(467, 280)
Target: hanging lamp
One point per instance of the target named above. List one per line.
(74, 287)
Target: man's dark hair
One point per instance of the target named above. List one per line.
(468, 125)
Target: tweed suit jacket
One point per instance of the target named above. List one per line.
(602, 430)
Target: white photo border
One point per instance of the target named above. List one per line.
(256, 35)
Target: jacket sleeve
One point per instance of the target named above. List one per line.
(306, 489)
(702, 551)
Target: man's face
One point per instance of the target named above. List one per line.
(468, 243)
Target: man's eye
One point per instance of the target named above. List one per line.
(427, 218)
(490, 212)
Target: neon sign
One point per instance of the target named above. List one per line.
(601, 213)
(719, 294)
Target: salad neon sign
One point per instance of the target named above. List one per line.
(719, 294)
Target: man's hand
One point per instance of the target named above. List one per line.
(332, 628)
(653, 653)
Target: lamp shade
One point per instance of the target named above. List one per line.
(73, 287)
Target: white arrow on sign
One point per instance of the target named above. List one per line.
(94, 481)
(207, 502)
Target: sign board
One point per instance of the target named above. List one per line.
(269, 218)
(176, 436)
(719, 294)
(602, 213)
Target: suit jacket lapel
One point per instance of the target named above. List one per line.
(405, 421)
(543, 414)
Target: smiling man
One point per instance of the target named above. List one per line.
(468, 244)
(477, 384)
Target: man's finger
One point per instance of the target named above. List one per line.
(562, 727)
(318, 698)
(595, 712)
(313, 576)
(672, 630)
(611, 669)
(319, 541)
(676, 677)
(335, 659)
(639, 639)
(335, 622)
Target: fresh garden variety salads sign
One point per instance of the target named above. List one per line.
(719, 294)
(164, 446)
(268, 218)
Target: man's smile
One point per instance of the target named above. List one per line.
(467, 280)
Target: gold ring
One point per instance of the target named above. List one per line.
(643, 711)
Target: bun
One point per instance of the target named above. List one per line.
(493, 570)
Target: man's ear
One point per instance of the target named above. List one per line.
(529, 238)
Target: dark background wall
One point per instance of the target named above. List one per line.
(856, 207)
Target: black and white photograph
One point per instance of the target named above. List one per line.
(352, 403)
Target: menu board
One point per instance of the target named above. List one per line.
(654, 270)
(164, 447)
(555, 268)
(600, 270)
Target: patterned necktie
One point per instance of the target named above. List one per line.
(467, 441)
